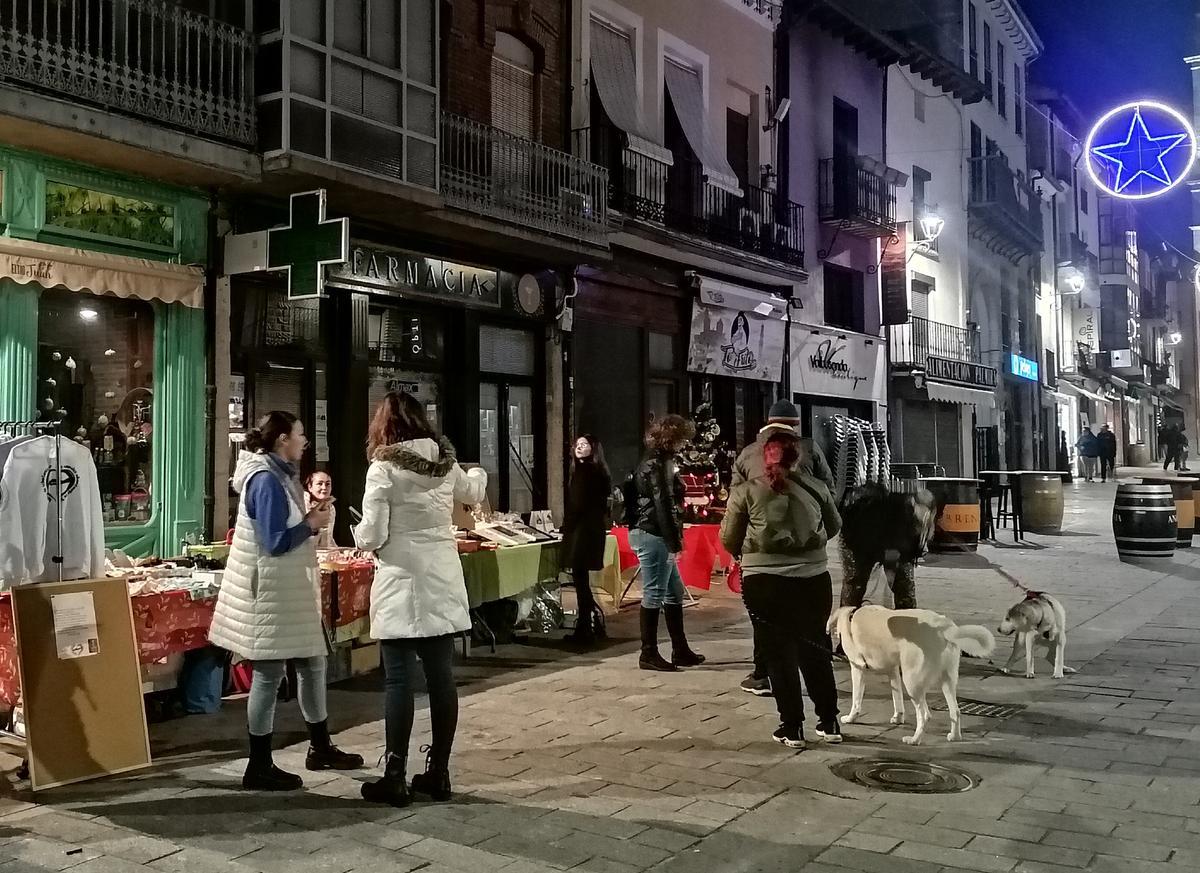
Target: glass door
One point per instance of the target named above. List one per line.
(522, 448)
(508, 445)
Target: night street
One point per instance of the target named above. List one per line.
(585, 763)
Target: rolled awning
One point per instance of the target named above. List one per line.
(687, 94)
(614, 73)
(26, 263)
(958, 394)
(1090, 395)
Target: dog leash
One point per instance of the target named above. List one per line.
(1029, 593)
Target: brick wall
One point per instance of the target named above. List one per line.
(468, 37)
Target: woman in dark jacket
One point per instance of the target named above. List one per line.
(585, 528)
(657, 538)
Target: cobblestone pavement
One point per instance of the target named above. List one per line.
(582, 762)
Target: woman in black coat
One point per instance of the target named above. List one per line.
(585, 529)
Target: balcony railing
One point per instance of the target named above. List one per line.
(860, 200)
(493, 173)
(146, 58)
(645, 188)
(1006, 203)
(913, 343)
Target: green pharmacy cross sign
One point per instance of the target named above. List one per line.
(307, 245)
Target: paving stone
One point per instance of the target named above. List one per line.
(1068, 853)
(136, 848)
(947, 857)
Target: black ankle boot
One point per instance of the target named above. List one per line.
(434, 783)
(650, 659)
(391, 789)
(324, 755)
(681, 653)
(261, 772)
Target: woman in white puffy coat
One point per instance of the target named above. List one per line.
(419, 598)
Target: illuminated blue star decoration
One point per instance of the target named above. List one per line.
(1153, 153)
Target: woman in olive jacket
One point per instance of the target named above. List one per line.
(778, 525)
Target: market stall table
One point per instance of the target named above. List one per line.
(702, 551)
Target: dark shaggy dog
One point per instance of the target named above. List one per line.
(889, 528)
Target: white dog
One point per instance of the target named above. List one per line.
(1038, 616)
(918, 649)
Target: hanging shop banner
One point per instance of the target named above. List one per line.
(1086, 324)
(738, 343)
(835, 363)
(893, 270)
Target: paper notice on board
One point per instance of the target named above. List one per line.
(75, 632)
(321, 433)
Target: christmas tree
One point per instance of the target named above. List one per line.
(705, 463)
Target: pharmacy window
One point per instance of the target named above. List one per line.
(96, 377)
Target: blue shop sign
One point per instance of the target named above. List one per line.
(1024, 368)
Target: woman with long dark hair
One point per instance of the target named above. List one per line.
(585, 529)
(418, 598)
(777, 524)
(269, 607)
(657, 538)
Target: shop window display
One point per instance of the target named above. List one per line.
(95, 376)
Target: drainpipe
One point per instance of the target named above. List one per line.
(210, 365)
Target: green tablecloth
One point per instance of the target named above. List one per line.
(493, 574)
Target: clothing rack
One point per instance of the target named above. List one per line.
(12, 429)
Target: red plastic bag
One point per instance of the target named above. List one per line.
(733, 581)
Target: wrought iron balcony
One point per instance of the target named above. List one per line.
(145, 58)
(493, 173)
(1004, 211)
(856, 198)
(913, 343)
(678, 196)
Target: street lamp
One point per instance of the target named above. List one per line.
(931, 226)
(1076, 281)
(1174, 338)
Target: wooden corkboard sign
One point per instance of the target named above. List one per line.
(84, 715)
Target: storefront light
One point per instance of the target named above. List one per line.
(1174, 338)
(88, 314)
(1076, 282)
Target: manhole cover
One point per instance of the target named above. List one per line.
(980, 708)
(912, 777)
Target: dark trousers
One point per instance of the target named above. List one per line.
(1108, 464)
(1174, 456)
(904, 585)
(399, 668)
(584, 598)
(789, 616)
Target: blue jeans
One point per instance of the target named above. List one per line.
(661, 584)
(264, 691)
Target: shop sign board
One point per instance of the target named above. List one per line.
(834, 363)
(1023, 368)
(963, 372)
(1086, 323)
(412, 275)
(738, 343)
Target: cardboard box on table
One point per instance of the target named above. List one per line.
(84, 716)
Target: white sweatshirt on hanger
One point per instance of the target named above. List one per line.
(29, 490)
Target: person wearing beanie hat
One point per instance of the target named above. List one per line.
(783, 415)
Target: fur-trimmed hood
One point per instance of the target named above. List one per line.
(425, 457)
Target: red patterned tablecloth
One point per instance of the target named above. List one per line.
(702, 551)
(171, 622)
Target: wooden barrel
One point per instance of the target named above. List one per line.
(1144, 522)
(1183, 491)
(957, 527)
(1041, 502)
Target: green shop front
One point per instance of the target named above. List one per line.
(102, 331)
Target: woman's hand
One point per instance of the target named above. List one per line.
(318, 517)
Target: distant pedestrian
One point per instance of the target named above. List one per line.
(1173, 446)
(1181, 456)
(1089, 451)
(585, 528)
(657, 539)
(1107, 443)
(318, 491)
(778, 524)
